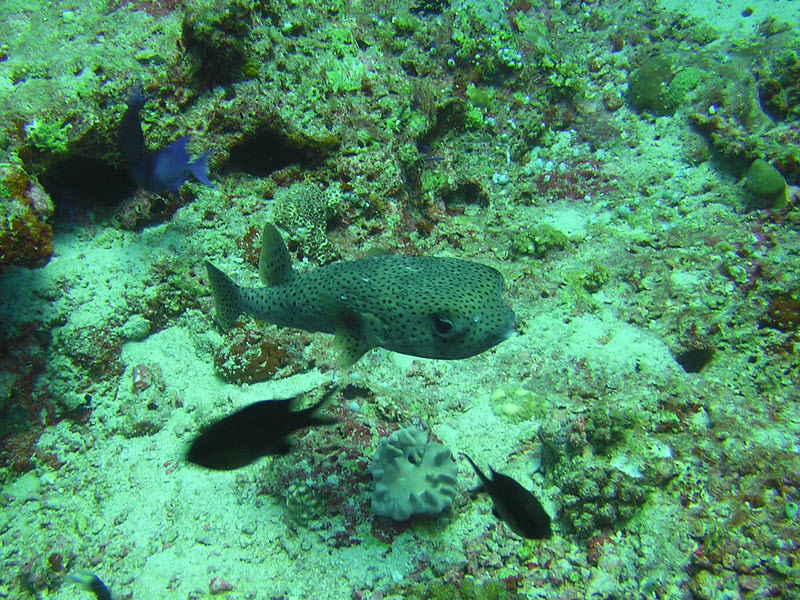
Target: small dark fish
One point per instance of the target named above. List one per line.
(252, 432)
(164, 170)
(92, 583)
(514, 505)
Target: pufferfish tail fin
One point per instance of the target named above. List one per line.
(226, 297)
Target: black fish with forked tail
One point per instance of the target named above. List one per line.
(257, 430)
(514, 505)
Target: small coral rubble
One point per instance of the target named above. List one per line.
(600, 498)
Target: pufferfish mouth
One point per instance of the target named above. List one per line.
(502, 336)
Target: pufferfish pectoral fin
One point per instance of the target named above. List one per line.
(349, 347)
(349, 338)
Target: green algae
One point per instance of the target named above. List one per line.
(216, 32)
(538, 241)
(480, 97)
(469, 589)
(49, 136)
(766, 185)
(648, 87)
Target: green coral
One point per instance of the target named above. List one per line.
(539, 241)
(514, 403)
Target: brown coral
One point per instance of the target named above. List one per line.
(25, 239)
(250, 356)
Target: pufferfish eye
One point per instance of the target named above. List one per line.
(443, 326)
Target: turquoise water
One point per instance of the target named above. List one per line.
(630, 170)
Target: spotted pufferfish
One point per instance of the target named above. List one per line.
(430, 307)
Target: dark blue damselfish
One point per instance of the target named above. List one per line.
(164, 170)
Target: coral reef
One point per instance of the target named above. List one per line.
(215, 33)
(328, 489)
(469, 589)
(304, 211)
(25, 407)
(743, 108)
(143, 208)
(251, 353)
(596, 153)
(597, 498)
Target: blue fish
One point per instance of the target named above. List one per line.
(161, 171)
(92, 583)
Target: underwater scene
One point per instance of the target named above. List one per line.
(413, 299)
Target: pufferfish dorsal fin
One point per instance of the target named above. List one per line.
(274, 263)
(376, 251)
